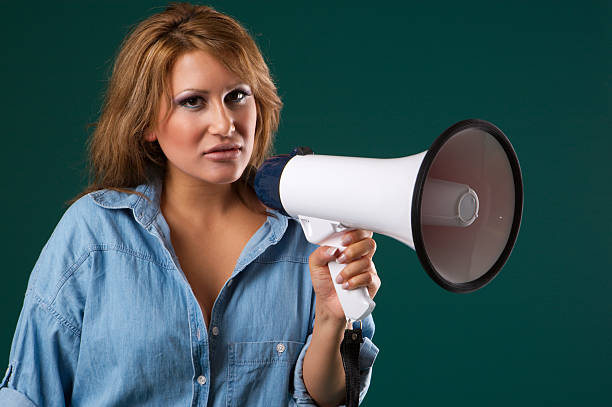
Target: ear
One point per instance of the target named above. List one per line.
(150, 136)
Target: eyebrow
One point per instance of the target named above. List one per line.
(206, 92)
(193, 90)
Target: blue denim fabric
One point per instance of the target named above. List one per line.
(109, 318)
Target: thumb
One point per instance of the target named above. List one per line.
(319, 271)
(321, 256)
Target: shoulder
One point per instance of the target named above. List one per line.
(81, 222)
(76, 230)
(86, 227)
(83, 225)
(101, 238)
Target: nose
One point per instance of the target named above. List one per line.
(222, 123)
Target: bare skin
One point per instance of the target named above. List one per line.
(208, 246)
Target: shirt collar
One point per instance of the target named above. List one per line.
(146, 210)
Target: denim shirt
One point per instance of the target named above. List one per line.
(109, 318)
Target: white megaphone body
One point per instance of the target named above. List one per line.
(458, 204)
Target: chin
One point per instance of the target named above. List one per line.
(223, 178)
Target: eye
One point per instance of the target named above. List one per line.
(193, 102)
(237, 96)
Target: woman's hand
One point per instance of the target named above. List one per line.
(359, 271)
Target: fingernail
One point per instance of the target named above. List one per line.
(339, 279)
(346, 240)
(341, 259)
(332, 251)
(345, 285)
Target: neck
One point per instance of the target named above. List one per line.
(196, 201)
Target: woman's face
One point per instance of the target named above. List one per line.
(209, 133)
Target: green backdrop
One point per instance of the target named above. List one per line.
(379, 79)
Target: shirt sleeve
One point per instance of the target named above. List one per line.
(43, 357)
(367, 355)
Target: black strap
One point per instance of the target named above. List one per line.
(349, 350)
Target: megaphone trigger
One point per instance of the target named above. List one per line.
(323, 232)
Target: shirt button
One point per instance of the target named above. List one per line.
(229, 282)
(215, 331)
(280, 348)
(202, 380)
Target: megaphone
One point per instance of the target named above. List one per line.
(457, 204)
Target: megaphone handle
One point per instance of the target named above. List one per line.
(356, 303)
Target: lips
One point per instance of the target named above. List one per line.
(223, 147)
(227, 152)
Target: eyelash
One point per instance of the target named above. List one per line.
(185, 102)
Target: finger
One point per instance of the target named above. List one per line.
(356, 235)
(322, 255)
(365, 247)
(370, 280)
(355, 268)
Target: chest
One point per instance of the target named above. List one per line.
(208, 258)
(208, 264)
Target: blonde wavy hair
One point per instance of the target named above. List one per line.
(119, 156)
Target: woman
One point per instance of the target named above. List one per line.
(167, 282)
